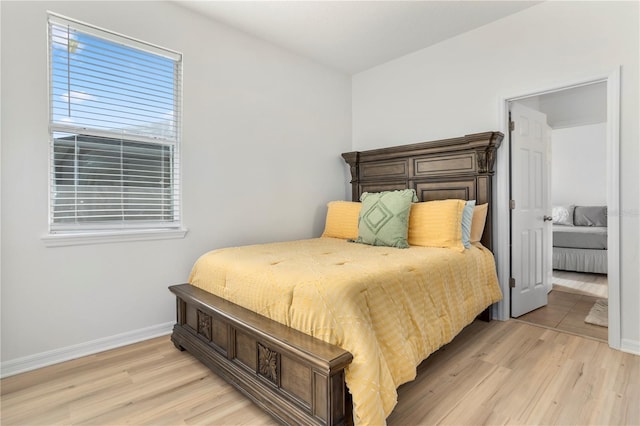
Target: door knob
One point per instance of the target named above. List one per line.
(547, 218)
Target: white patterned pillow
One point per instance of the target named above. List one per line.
(563, 215)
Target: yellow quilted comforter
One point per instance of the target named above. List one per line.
(389, 307)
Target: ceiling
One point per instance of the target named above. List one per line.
(576, 106)
(352, 36)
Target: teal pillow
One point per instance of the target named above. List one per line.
(384, 218)
(467, 216)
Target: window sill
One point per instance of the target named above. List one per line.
(102, 237)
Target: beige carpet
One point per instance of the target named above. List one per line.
(580, 287)
(599, 314)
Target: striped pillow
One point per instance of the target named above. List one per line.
(342, 220)
(437, 224)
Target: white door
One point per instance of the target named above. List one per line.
(531, 212)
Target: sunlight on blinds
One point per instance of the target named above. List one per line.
(115, 108)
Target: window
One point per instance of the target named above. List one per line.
(115, 126)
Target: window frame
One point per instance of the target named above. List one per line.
(125, 230)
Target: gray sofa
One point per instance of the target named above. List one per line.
(580, 238)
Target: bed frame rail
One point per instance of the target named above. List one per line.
(296, 378)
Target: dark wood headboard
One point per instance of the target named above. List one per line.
(449, 168)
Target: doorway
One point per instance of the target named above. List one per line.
(504, 258)
(575, 184)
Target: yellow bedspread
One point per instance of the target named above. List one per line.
(389, 307)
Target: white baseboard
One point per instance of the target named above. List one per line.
(32, 362)
(631, 346)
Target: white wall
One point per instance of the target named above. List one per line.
(456, 87)
(262, 136)
(579, 165)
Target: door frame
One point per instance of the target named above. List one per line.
(503, 181)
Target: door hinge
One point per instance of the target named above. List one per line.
(512, 204)
(512, 282)
(512, 125)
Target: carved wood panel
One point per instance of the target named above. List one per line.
(204, 325)
(268, 362)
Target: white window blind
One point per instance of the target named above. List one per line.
(115, 110)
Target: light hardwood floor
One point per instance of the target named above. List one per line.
(566, 312)
(492, 373)
(581, 283)
(568, 307)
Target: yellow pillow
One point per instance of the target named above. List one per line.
(342, 220)
(477, 223)
(437, 224)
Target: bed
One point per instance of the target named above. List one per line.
(580, 238)
(307, 377)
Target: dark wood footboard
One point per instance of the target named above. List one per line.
(296, 378)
